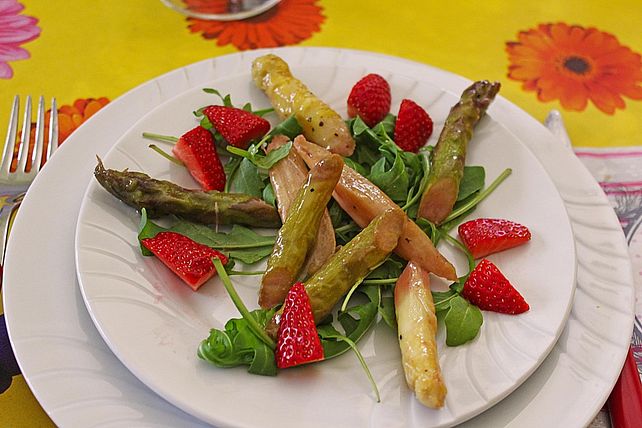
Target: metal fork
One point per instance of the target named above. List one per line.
(14, 184)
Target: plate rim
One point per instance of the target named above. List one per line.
(74, 140)
(189, 407)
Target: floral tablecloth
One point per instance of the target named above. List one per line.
(582, 58)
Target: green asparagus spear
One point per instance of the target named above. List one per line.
(299, 231)
(449, 154)
(350, 265)
(160, 197)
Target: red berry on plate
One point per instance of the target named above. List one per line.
(238, 127)
(188, 259)
(298, 341)
(197, 151)
(484, 236)
(370, 99)
(488, 288)
(413, 126)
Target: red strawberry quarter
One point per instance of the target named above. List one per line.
(413, 126)
(188, 259)
(197, 151)
(238, 127)
(370, 99)
(484, 236)
(298, 341)
(490, 290)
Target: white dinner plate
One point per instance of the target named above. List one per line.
(154, 324)
(79, 382)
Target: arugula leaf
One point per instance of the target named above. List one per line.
(394, 181)
(463, 321)
(247, 180)
(337, 215)
(390, 268)
(471, 182)
(147, 229)
(230, 168)
(387, 311)
(289, 127)
(237, 345)
(226, 99)
(388, 123)
(355, 321)
(356, 166)
(442, 299)
(259, 160)
(240, 243)
(268, 194)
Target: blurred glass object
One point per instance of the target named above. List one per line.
(220, 10)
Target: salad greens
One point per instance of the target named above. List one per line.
(401, 175)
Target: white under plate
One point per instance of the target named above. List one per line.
(79, 382)
(154, 324)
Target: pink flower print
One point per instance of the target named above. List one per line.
(15, 29)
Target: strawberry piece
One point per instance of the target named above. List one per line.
(188, 259)
(238, 127)
(413, 126)
(484, 236)
(370, 99)
(197, 151)
(298, 341)
(489, 289)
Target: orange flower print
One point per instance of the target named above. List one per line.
(288, 23)
(574, 64)
(70, 117)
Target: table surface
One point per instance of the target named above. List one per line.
(582, 58)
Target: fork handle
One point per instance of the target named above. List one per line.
(9, 202)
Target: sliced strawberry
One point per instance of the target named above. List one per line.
(413, 126)
(197, 151)
(370, 99)
(238, 127)
(484, 236)
(489, 289)
(188, 259)
(298, 341)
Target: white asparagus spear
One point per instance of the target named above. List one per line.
(416, 327)
(289, 96)
(363, 201)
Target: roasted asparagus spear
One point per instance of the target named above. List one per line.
(289, 96)
(287, 177)
(299, 231)
(416, 329)
(449, 155)
(363, 201)
(159, 197)
(350, 265)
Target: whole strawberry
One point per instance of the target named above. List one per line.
(484, 236)
(238, 127)
(188, 259)
(488, 288)
(370, 99)
(298, 341)
(413, 126)
(197, 151)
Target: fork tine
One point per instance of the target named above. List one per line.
(53, 129)
(10, 142)
(23, 152)
(36, 155)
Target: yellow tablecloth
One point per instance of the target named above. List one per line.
(581, 57)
